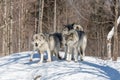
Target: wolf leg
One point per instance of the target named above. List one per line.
(57, 53)
(31, 55)
(76, 54)
(69, 54)
(41, 58)
(65, 49)
(81, 55)
(82, 52)
(49, 55)
(67, 57)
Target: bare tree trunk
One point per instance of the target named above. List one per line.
(19, 42)
(98, 43)
(109, 49)
(40, 12)
(49, 19)
(11, 27)
(5, 29)
(103, 43)
(115, 47)
(22, 25)
(100, 38)
(54, 16)
(35, 20)
(110, 35)
(66, 11)
(41, 7)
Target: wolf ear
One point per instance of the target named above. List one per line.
(73, 24)
(35, 37)
(42, 37)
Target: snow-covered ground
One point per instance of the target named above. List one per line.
(18, 67)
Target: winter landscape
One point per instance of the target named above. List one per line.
(18, 67)
(84, 31)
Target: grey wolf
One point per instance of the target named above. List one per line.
(35, 42)
(41, 45)
(47, 42)
(65, 32)
(76, 40)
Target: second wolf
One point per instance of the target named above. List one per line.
(65, 34)
(76, 40)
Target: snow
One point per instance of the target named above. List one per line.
(18, 67)
(110, 34)
(118, 21)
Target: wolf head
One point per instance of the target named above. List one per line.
(72, 37)
(67, 28)
(38, 40)
(42, 39)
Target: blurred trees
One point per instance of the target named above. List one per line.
(20, 19)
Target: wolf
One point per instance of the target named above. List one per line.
(41, 45)
(35, 45)
(65, 32)
(47, 42)
(55, 43)
(76, 40)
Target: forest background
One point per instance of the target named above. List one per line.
(21, 19)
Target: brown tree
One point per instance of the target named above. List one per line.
(41, 9)
(54, 16)
(115, 47)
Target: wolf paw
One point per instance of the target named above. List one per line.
(76, 61)
(48, 60)
(68, 60)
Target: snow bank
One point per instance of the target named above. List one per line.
(18, 67)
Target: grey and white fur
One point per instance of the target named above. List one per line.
(40, 43)
(55, 42)
(65, 33)
(76, 40)
(47, 42)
